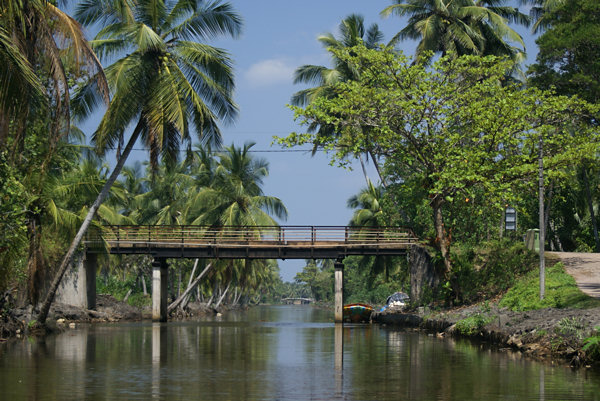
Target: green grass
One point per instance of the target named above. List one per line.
(472, 325)
(561, 292)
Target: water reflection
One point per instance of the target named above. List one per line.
(275, 353)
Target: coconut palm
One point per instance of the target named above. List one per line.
(235, 198)
(368, 214)
(166, 82)
(368, 210)
(478, 27)
(35, 34)
(164, 203)
(352, 32)
(540, 9)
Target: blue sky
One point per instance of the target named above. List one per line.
(278, 37)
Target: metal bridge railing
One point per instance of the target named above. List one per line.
(279, 235)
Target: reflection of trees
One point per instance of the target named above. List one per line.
(250, 359)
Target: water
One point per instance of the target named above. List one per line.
(274, 353)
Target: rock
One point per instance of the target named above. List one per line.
(72, 325)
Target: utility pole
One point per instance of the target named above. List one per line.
(542, 238)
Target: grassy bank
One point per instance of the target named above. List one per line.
(561, 292)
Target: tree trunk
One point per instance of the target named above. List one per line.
(376, 164)
(222, 296)
(35, 261)
(178, 301)
(588, 195)
(186, 299)
(68, 258)
(143, 283)
(364, 169)
(441, 239)
(209, 302)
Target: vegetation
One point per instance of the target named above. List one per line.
(448, 130)
(472, 325)
(561, 292)
(591, 345)
(461, 27)
(454, 140)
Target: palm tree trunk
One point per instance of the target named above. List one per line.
(376, 164)
(68, 258)
(193, 285)
(364, 169)
(223, 295)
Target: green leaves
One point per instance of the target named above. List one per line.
(449, 128)
(165, 80)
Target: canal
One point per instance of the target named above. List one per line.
(274, 353)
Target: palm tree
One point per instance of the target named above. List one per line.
(352, 32)
(368, 214)
(368, 210)
(166, 82)
(540, 10)
(235, 197)
(165, 201)
(478, 27)
(35, 34)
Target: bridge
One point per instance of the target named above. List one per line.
(231, 242)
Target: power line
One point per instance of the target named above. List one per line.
(249, 151)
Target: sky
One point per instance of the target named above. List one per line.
(279, 36)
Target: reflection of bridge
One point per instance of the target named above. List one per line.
(272, 242)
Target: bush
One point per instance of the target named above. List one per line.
(591, 346)
(485, 272)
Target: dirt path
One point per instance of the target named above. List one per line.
(585, 268)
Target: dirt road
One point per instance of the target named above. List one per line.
(585, 268)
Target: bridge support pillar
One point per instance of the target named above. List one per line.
(160, 276)
(339, 291)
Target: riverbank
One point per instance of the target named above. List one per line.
(15, 322)
(550, 334)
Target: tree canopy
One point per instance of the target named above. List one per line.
(450, 127)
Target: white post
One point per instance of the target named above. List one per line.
(159, 289)
(339, 292)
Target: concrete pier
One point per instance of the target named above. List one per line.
(160, 276)
(78, 286)
(339, 291)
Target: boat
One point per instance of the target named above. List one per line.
(357, 313)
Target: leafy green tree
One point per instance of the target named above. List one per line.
(319, 278)
(569, 51)
(352, 32)
(450, 127)
(568, 61)
(166, 81)
(460, 27)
